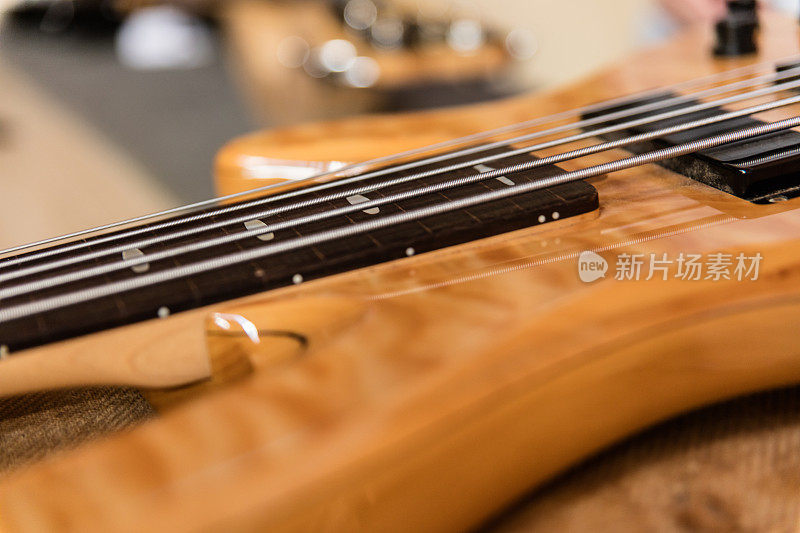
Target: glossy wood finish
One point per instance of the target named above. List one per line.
(428, 393)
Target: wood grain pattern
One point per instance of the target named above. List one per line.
(462, 378)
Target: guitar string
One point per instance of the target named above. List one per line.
(20, 273)
(57, 280)
(305, 190)
(58, 250)
(696, 82)
(113, 288)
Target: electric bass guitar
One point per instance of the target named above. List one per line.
(403, 323)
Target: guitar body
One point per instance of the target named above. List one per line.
(428, 393)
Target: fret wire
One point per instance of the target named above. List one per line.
(60, 301)
(178, 250)
(414, 164)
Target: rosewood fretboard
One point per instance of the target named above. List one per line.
(306, 264)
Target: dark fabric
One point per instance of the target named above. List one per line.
(729, 467)
(35, 425)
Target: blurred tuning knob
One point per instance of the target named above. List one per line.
(736, 31)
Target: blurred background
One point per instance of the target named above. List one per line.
(112, 108)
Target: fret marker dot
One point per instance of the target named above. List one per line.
(253, 225)
(542, 219)
(297, 279)
(410, 251)
(360, 199)
(4, 351)
(556, 215)
(135, 253)
(259, 273)
(163, 312)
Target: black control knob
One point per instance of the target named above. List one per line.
(737, 30)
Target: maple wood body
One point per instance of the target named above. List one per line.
(428, 393)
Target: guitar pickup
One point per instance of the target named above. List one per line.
(760, 170)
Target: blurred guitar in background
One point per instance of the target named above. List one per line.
(302, 60)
